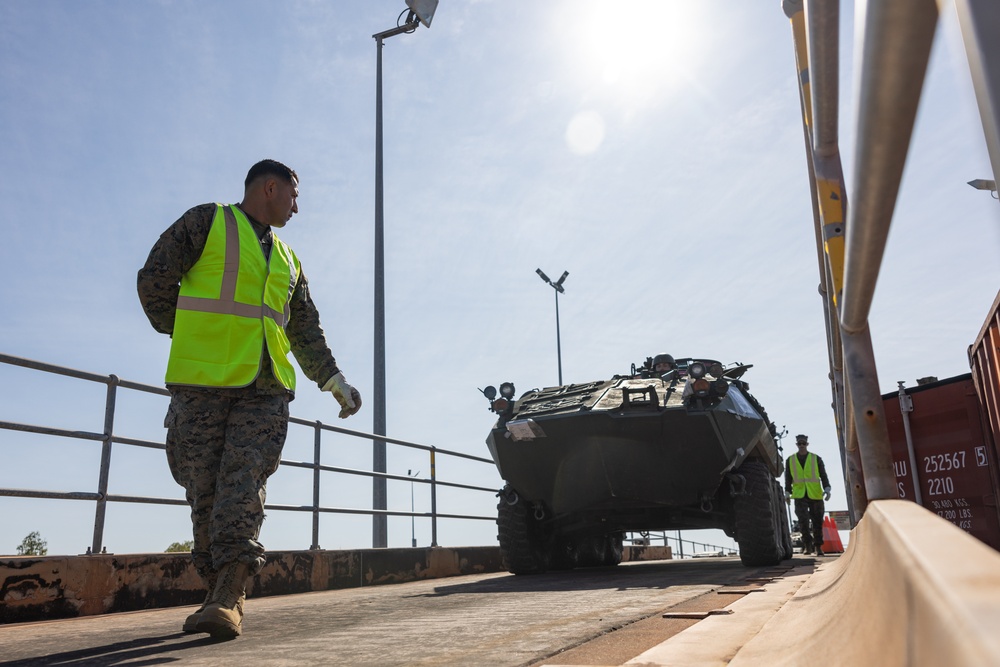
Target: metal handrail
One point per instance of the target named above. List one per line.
(895, 50)
(108, 438)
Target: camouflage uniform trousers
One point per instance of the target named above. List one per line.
(810, 512)
(222, 445)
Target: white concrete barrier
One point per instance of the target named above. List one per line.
(911, 589)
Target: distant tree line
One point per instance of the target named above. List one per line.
(34, 545)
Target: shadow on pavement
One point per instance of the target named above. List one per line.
(628, 576)
(119, 652)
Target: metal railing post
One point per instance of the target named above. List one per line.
(102, 483)
(979, 20)
(896, 47)
(815, 37)
(317, 438)
(434, 511)
(905, 408)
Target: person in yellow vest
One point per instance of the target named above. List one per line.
(234, 300)
(806, 483)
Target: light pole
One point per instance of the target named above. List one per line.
(413, 529)
(421, 11)
(985, 184)
(558, 287)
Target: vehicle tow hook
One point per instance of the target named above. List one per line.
(539, 513)
(508, 495)
(706, 506)
(737, 484)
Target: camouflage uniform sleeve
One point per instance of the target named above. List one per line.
(307, 338)
(176, 251)
(822, 472)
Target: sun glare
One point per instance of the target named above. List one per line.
(637, 47)
(585, 132)
(627, 57)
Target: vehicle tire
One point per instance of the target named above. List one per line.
(600, 550)
(615, 549)
(562, 555)
(756, 517)
(523, 549)
(591, 551)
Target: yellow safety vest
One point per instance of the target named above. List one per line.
(805, 479)
(231, 302)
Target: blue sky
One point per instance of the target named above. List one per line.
(655, 152)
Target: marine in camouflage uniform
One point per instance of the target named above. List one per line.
(224, 442)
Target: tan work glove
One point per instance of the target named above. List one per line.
(348, 397)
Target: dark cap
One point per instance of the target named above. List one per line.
(802, 438)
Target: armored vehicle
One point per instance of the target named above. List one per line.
(653, 450)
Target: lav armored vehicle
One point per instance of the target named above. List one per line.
(683, 449)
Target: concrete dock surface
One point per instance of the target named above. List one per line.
(911, 589)
(491, 619)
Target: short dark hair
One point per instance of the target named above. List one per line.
(273, 168)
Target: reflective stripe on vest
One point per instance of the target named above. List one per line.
(232, 301)
(805, 478)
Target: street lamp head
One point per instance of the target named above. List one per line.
(983, 184)
(557, 285)
(423, 9)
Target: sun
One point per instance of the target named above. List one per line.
(637, 47)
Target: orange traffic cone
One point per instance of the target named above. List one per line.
(836, 537)
(831, 538)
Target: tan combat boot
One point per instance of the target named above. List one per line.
(191, 622)
(223, 615)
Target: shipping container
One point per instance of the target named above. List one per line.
(944, 436)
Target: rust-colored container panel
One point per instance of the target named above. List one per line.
(956, 464)
(984, 359)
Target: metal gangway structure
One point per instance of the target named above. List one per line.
(912, 588)
(851, 239)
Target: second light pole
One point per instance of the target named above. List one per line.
(558, 287)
